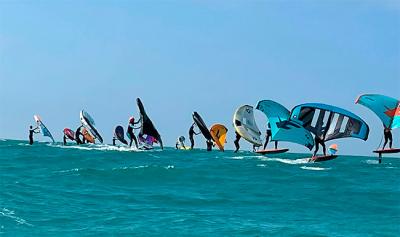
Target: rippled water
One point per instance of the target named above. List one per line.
(54, 190)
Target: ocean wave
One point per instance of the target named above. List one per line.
(144, 167)
(95, 147)
(314, 168)
(68, 171)
(124, 168)
(10, 214)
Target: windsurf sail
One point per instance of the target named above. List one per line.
(69, 134)
(147, 127)
(218, 133)
(88, 122)
(119, 134)
(43, 129)
(330, 122)
(245, 124)
(282, 128)
(202, 126)
(385, 107)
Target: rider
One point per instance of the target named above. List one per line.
(268, 136)
(130, 133)
(191, 133)
(31, 132)
(236, 142)
(387, 132)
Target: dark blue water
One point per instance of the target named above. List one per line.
(101, 190)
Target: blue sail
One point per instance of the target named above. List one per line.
(330, 122)
(43, 129)
(282, 128)
(385, 107)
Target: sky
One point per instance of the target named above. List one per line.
(58, 57)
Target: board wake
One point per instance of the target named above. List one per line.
(272, 151)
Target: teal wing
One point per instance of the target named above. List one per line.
(385, 107)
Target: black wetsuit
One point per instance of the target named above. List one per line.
(65, 140)
(388, 137)
(31, 132)
(114, 141)
(77, 136)
(132, 136)
(236, 142)
(319, 141)
(191, 134)
(268, 136)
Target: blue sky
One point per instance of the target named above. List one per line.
(58, 57)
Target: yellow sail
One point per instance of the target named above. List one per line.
(218, 133)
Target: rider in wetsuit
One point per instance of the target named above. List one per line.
(319, 141)
(77, 136)
(31, 132)
(268, 136)
(130, 132)
(236, 142)
(191, 133)
(387, 132)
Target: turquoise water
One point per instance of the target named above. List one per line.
(102, 190)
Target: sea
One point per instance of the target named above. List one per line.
(102, 190)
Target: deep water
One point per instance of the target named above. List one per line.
(103, 190)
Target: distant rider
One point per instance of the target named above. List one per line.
(65, 140)
(387, 132)
(31, 132)
(236, 142)
(180, 142)
(191, 133)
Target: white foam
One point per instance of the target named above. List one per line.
(314, 168)
(237, 157)
(289, 161)
(262, 165)
(142, 167)
(134, 167)
(67, 171)
(10, 214)
(372, 162)
(99, 147)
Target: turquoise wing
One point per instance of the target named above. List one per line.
(385, 107)
(282, 128)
